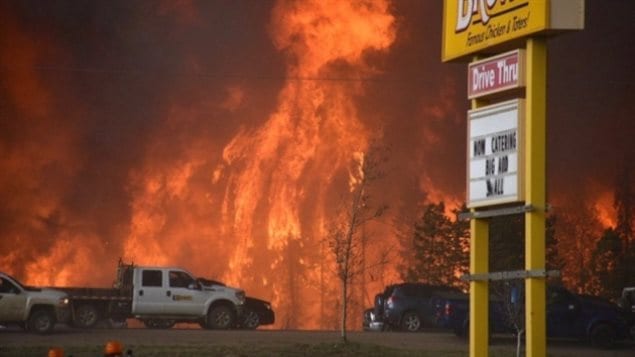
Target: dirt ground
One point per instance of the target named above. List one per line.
(432, 340)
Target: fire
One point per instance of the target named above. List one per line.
(190, 162)
(218, 182)
(605, 211)
(252, 213)
(288, 165)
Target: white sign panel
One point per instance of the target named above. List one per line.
(495, 154)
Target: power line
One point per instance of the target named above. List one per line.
(373, 79)
(379, 79)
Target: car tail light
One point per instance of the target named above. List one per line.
(391, 301)
(448, 309)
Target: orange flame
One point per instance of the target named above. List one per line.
(605, 211)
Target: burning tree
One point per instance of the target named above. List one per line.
(346, 242)
(614, 251)
(439, 246)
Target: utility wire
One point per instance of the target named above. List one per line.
(380, 79)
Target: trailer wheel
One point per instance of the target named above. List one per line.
(41, 321)
(220, 317)
(86, 316)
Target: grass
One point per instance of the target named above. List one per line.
(350, 349)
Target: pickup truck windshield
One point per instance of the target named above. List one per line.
(16, 282)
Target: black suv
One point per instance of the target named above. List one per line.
(408, 306)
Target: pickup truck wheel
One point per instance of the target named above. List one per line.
(603, 336)
(86, 316)
(41, 321)
(411, 322)
(220, 317)
(251, 320)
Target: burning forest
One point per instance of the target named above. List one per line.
(224, 137)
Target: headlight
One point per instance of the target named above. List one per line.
(63, 301)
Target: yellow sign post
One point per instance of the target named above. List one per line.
(535, 182)
(489, 27)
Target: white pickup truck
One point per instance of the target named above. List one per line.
(35, 309)
(159, 297)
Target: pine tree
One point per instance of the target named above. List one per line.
(506, 244)
(606, 264)
(577, 234)
(439, 246)
(623, 202)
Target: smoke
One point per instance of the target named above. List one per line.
(218, 135)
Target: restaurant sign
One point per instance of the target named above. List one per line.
(470, 26)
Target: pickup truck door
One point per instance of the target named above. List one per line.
(149, 293)
(187, 296)
(12, 301)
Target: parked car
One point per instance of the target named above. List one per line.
(408, 306)
(452, 312)
(584, 316)
(34, 309)
(371, 321)
(569, 315)
(255, 313)
(627, 300)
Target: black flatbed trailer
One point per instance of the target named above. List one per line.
(89, 305)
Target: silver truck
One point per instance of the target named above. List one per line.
(34, 309)
(157, 296)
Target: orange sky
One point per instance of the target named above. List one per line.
(221, 136)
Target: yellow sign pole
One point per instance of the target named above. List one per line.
(479, 290)
(535, 179)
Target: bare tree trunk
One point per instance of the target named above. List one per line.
(344, 309)
(322, 318)
(519, 341)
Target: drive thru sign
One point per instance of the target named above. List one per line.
(496, 74)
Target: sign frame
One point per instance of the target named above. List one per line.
(517, 105)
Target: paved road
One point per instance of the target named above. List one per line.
(430, 340)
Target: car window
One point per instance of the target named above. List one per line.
(424, 291)
(7, 287)
(408, 290)
(152, 278)
(180, 279)
(557, 296)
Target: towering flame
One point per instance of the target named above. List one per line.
(282, 173)
(277, 183)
